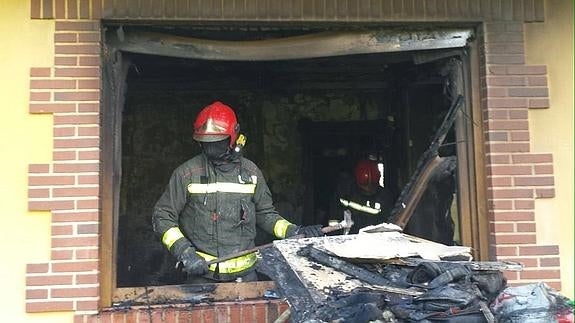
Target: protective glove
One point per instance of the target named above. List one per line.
(193, 264)
(309, 231)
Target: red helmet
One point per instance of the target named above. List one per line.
(367, 173)
(216, 122)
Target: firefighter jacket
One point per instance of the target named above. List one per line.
(366, 209)
(216, 211)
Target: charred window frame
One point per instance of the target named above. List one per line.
(114, 72)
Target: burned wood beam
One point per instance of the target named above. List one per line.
(190, 293)
(321, 44)
(355, 271)
(474, 265)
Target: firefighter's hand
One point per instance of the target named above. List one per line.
(193, 264)
(310, 231)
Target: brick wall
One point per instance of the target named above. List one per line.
(68, 186)
(516, 176)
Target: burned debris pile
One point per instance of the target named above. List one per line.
(393, 277)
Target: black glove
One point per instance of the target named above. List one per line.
(193, 264)
(310, 231)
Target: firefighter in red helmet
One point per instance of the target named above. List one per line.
(213, 202)
(369, 202)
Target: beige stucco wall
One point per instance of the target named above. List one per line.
(551, 44)
(25, 139)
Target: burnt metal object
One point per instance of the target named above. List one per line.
(428, 162)
(321, 44)
(288, 285)
(379, 282)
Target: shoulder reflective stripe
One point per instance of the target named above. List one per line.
(280, 228)
(359, 207)
(194, 188)
(171, 236)
(233, 265)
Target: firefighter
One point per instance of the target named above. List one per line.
(368, 201)
(213, 202)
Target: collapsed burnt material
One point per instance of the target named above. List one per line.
(429, 291)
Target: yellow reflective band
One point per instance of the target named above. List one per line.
(194, 188)
(280, 228)
(171, 236)
(231, 266)
(359, 207)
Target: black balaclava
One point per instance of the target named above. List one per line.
(217, 150)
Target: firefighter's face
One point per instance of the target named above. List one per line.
(215, 150)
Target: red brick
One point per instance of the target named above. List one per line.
(502, 227)
(518, 114)
(515, 239)
(49, 306)
(495, 103)
(501, 204)
(65, 38)
(61, 254)
(64, 155)
(93, 306)
(40, 71)
(543, 169)
(36, 293)
(247, 313)
(84, 9)
(511, 275)
(77, 96)
(59, 230)
(496, 91)
(50, 180)
(235, 313)
(74, 242)
(528, 91)
(74, 216)
(526, 262)
(260, 313)
(76, 168)
(88, 107)
(509, 170)
(60, 6)
(520, 136)
(77, 25)
(499, 159)
(89, 131)
(38, 168)
(76, 266)
(91, 253)
(77, 49)
(538, 103)
(534, 181)
(77, 71)
(87, 204)
(40, 96)
(540, 274)
(508, 147)
(556, 285)
(524, 204)
(89, 61)
(531, 158)
(503, 37)
(35, 9)
(527, 70)
(508, 125)
(52, 84)
(37, 268)
(544, 192)
(51, 107)
(88, 179)
(88, 228)
(89, 84)
(74, 292)
(66, 61)
(64, 131)
(39, 193)
(87, 279)
(510, 193)
(89, 37)
(550, 262)
(47, 9)
(77, 143)
(539, 250)
(506, 251)
(49, 280)
(50, 205)
(89, 155)
(499, 114)
(505, 59)
(513, 216)
(221, 314)
(500, 181)
(526, 227)
(496, 136)
(537, 80)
